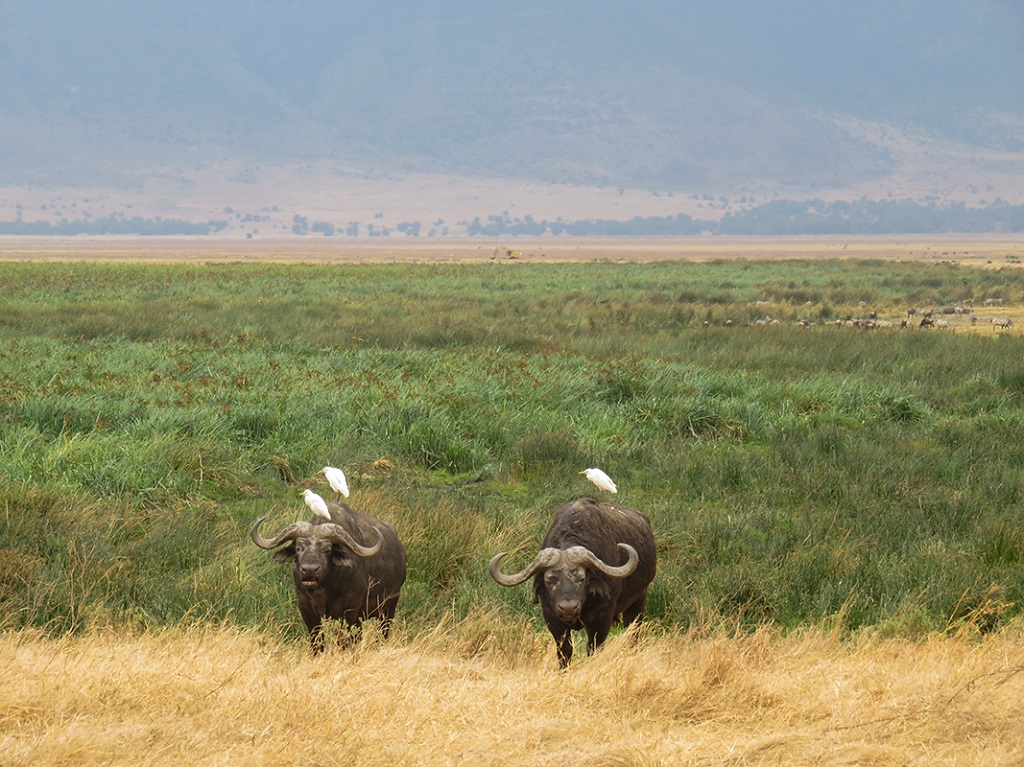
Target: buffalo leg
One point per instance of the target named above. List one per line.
(595, 639)
(635, 612)
(597, 632)
(316, 639)
(387, 616)
(564, 644)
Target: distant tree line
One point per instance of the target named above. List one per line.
(113, 224)
(779, 217)
(872, 217)
(783, 217)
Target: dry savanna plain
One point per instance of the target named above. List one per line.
(218, 697)
(973, 250)
(482, 694)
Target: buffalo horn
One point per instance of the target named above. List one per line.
(290, 533)
(585, 556)
(329, 531)
(337, 534)
(545, 558)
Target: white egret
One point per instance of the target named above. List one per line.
(336, 479)
(316, 503)
(602, 480)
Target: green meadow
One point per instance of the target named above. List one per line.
(794, 476)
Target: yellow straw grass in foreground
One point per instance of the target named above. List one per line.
(222, 697)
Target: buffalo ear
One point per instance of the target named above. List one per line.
(598, 588)
(285, 555)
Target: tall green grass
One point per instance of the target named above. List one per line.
(148, 414)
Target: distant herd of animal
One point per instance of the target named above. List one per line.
(593, 569)
(924, 318)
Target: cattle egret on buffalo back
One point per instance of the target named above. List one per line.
(602, 480)
(316, 503)
(336, 479)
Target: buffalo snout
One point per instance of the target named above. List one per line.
(309, 574)
(568, 610)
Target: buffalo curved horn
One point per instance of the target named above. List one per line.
(290, 533)
(545, 559)
(337, 534)
(584, 556)
(329, 531)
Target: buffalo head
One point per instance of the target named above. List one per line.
(565, 576)
(313, 548)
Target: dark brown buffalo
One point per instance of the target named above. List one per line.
(336, 577)
(580, 578)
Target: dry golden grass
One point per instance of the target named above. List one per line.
(219, 696)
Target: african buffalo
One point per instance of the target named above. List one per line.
(579, 578)
(337, 577)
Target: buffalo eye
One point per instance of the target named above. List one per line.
(340, 556)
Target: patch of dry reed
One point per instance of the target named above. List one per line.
(220, 696)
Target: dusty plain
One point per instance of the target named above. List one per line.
(967, 250)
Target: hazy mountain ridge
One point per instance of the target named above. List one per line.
(662, 98)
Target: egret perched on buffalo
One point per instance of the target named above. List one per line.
(602, 480)
(317, 504)
(336, 479)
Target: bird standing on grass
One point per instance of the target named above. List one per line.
(336, 479)
(602, 480)
(316, 503)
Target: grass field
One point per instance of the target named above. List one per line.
(216, 697)
(839, 513)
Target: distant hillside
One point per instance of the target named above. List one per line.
(883, 98)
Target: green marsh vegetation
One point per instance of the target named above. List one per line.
(149, 414)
